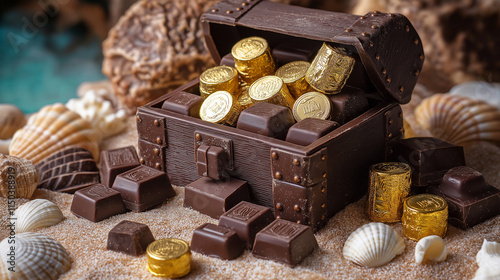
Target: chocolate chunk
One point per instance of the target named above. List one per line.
(309, 130)
(184, 103)
(211, 161)
(348, 104)
(216, 241)
(227, 60)
(114, 162)
(429, 158)
(212, 197)
(143, 188)
(285, 53)
(129, 238)
(96, 203)
(285, 242)
(246, 219)
(470, 199)
(266, 119)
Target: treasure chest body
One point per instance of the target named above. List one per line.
(305, 184)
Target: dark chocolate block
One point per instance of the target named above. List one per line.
(211, 161)
(429, 158)
(114, 162)
(143, 188)
(267, 119)
(216, 241)
(285, 242)
(96, 203)
(129, 238)
(348, 104)
(309, 130)
(184, 103)
(285, 53)
(246, 219)
(470, 199)
(212, 197)
(227, 60)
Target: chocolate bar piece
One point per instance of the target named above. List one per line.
(429, 158)
(348, 104)
(114, 162)
(216, 241)
(286, 53)
(143, 187)
(285, 242)
(246, 219)
(470, 199)
(129, 238)
(184, 103)
(211, 161)
(266, 119)
(309, 130)
(212, 197)
(96, 203)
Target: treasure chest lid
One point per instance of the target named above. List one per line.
(386, 45)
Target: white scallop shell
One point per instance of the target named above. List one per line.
(431, 248)
(488, 92)
(458, 119)
(36, 214)
(36, 257)
(488, 259)
(53, 128)
(372, 245)
(11, 119)
(23, 172)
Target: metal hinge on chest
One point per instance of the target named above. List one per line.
(394, 124)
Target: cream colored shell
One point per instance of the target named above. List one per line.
(373, 245)
(23, 172)
(488, 259)
(431, 248)
(11, 119)
(458, 119)
(36, 257)
(50, 130)
(36, 214)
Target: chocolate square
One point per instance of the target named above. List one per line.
(129, 238)
(114, 162)
(348, 104)
(309, 130)
(184, 103)
(246, 219)
(211, 161)
(96, 203)
(266, 119)
(216, 241)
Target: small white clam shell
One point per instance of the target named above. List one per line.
(488, 92)
(372, 245)
(36, 257)
(36, 214)
(431, 248)
(490, 251)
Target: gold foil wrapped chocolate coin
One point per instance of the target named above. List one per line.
(219, 78)
(294, 76)
(389, 186)
(424, 215)
(252, 59)
(330, 69)
(169, 257)
(312, 105)
(244, 98)
(271, 89)
(220, 107)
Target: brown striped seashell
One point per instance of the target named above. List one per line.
(458, 119)
(11, 119)
(19, 175)
(52, 129)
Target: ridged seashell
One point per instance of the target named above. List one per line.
(4, 146)
(36, 214)
(11, 119)
(25, 175)
(488, 92)
(488, 259)
(459, 119)
(53, 128)
(372, 245)
(431, 248)
(36, 257)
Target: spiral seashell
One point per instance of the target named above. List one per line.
(11, 119)
(36, 257)
(488, 259)
(431, 248)
(36, 214)
(19, 175)
(372, 245)
(458, 119)
(50, 130)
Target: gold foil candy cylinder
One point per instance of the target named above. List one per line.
(389, 185)
(294, 76)
(424, 215)
(220, 107)
(244, 98)
(330, 69)
(219, 78)
(271, 89)
(169, 257)
(252, 59)
(312, 105)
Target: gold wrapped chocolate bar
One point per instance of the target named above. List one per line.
(271, 89)
(169, 257)
(220, 107)
(219, 78)
(252, 59)
(312, 105)
(424, 215)
(294, 76)
(389, 185)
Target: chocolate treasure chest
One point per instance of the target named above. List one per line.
(304, 183)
